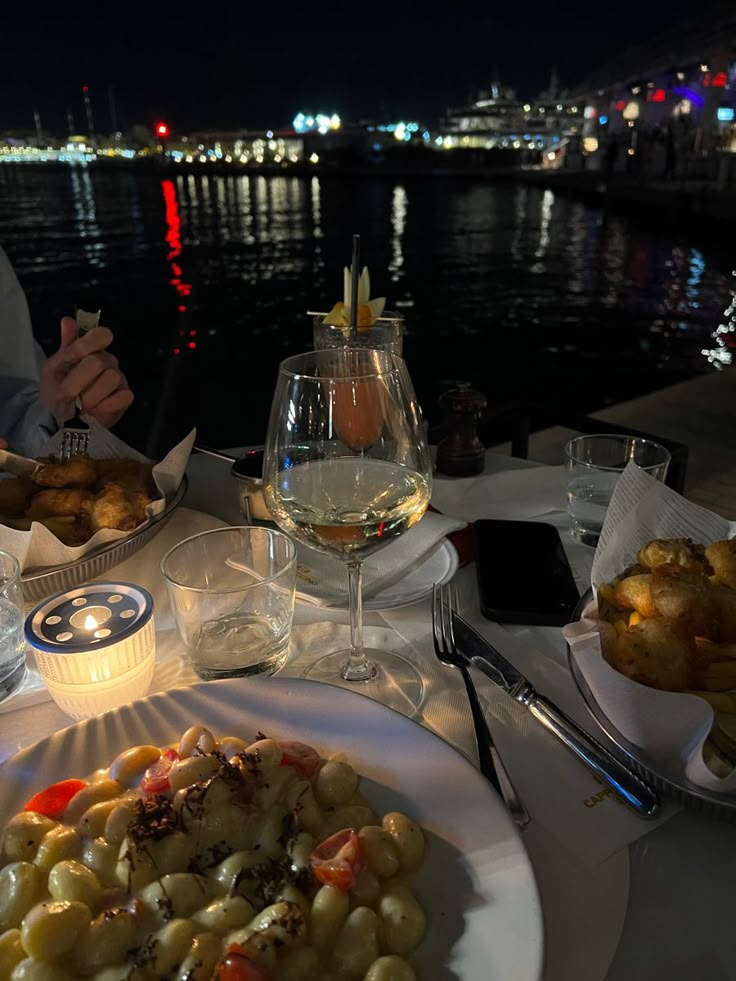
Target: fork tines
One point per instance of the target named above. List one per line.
(74, 437)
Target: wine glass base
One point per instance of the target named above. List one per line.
(394, 680)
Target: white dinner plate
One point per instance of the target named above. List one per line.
(438, 566)
(477, 885)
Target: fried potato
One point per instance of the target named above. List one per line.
(682, 552)
(19, 524)
(725, 603)
(708, 651)
(681, 594)
(69, 530)
(58, 503)
(670, 620)
(15, 493)
(720, 676)
(721, 701)
(657, 652)
(606, 592)
(134, 475)
(117, 508)
(634, 593)
(79, 471)
(117, 491)
(722, 559)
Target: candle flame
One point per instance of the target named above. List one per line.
(90, 623)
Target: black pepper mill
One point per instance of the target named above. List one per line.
(460, 453)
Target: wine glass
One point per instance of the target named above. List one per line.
(346, 470)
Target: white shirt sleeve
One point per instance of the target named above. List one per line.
(24, 421)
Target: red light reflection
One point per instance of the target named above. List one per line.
(173, 240)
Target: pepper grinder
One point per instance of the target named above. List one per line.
(460, 453)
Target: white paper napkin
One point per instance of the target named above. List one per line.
(511, 494)
(322, 580)
(40, 547)
(669, 725)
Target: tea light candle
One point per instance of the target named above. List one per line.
(95, 646)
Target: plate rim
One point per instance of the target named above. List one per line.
(371, 606)
(158, 700)
(676, 785)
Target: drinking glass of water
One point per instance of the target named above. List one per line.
(232, 593)
(12, 618)
(594, 465)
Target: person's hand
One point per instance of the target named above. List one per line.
(82, 367)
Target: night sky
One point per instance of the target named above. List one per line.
(247, 64)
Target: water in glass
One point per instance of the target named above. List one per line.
(595, 463)
(588, 497)
(232, 593)
(241, 644)
(12, 619)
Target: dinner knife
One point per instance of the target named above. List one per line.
(21, 466)
(625, 784)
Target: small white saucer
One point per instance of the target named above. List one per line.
(438, 566)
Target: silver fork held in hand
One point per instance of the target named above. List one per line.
(75, 434)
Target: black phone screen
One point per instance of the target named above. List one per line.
(523, 573)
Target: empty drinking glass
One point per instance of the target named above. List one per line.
(12, 619)
(232, 592)
(594, 465)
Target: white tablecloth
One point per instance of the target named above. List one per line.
(660, 909)
(657, 910)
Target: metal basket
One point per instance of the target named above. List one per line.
(668, 777)
(40, 583)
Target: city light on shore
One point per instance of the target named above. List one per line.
(558, 127)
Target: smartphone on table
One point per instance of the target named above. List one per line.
(523, 573)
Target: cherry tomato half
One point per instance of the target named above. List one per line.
(52, 801)
(303, 758)
(338, 861)
(237, 966)
(156, 778)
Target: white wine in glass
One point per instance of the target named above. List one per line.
(346, 470)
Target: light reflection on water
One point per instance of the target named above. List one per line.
(522, 292)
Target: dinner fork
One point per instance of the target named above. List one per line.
(75, 433)
(444, 604)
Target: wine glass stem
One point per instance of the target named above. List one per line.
(357, 667)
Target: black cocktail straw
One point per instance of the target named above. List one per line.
(354, 282)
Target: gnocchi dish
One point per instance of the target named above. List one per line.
(210, 861)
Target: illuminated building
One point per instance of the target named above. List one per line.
(238, 147)
(320, 122)
(680, 85)
(499, 120)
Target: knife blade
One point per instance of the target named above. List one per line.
(21, 466)
(625, 784)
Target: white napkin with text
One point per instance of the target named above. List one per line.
(668, 725)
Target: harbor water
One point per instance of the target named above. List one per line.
(206, 281)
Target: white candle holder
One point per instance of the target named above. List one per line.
(95, 646)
